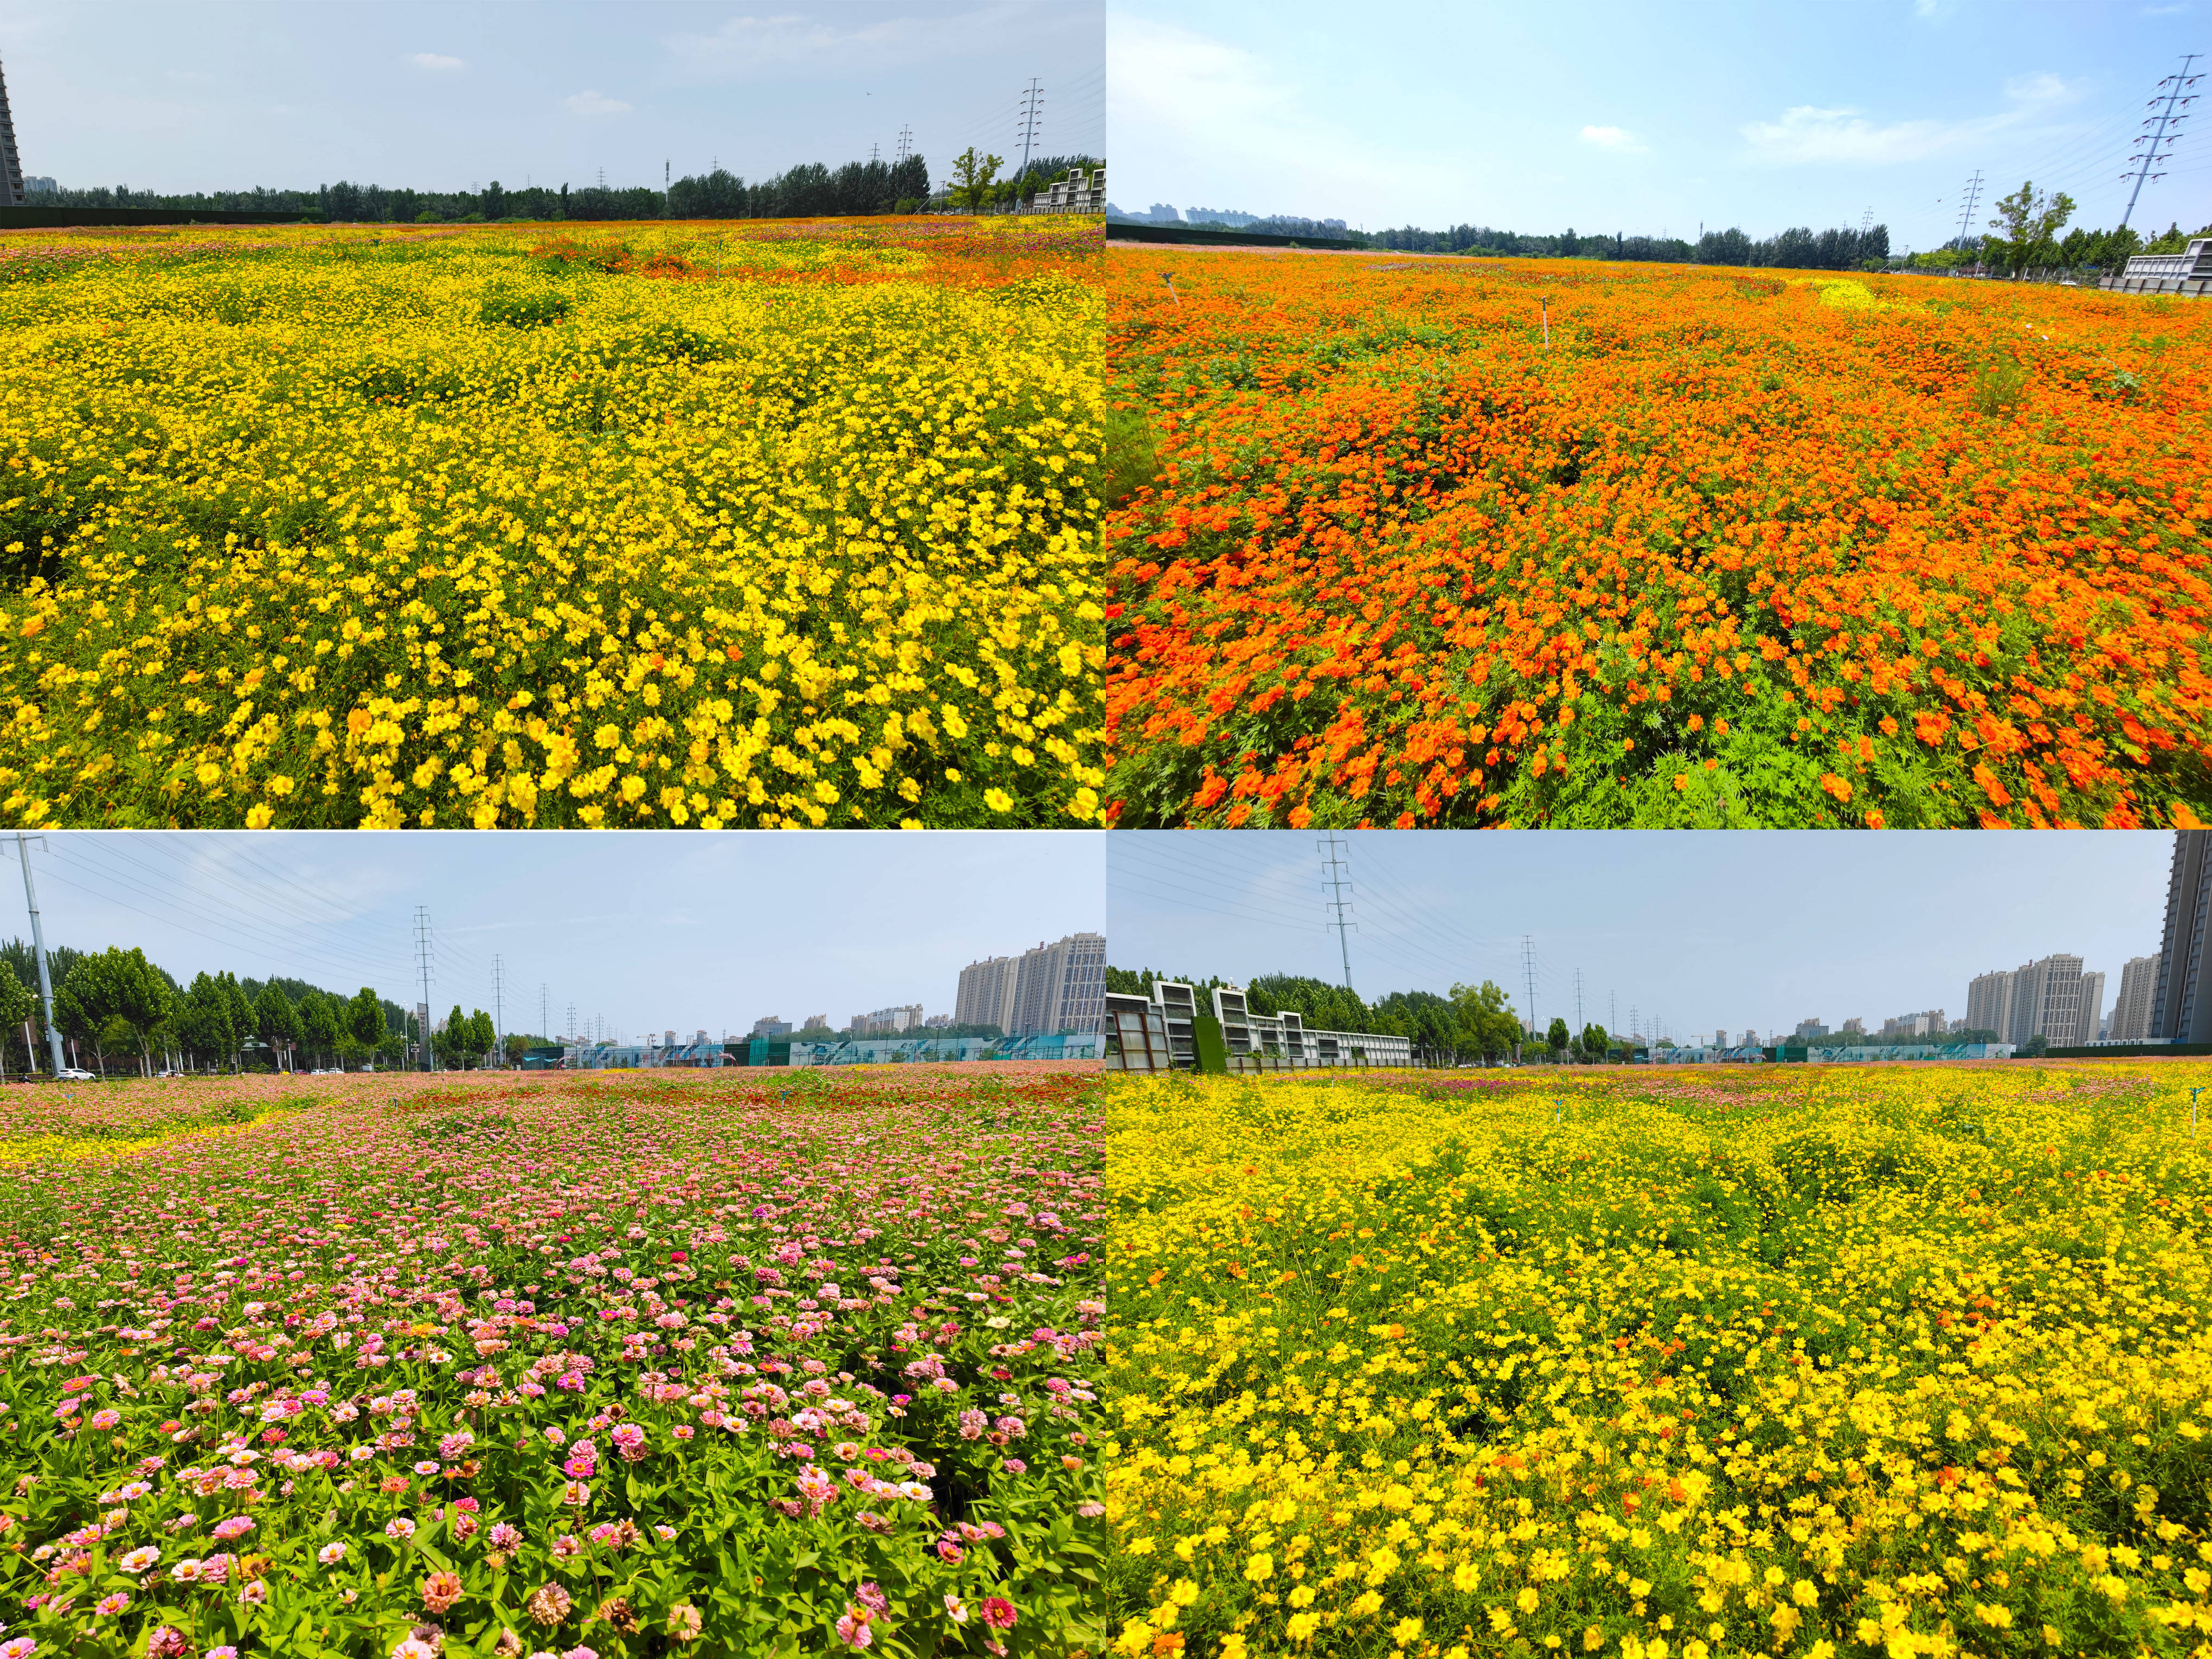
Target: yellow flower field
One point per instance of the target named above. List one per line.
(716, 525)
(1818, 1361)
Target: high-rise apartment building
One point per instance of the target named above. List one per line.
(1061, 987)
(888, 1022)
(12, 164)
(987, 993)
(2051, 998)
(2178, 1014)
(2132, 1012)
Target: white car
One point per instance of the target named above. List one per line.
(70, 1074)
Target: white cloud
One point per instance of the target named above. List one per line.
(1613, 138)
(433, 60)
(1173, 94)
(1843, 134)
(588, 102)
(766, 45)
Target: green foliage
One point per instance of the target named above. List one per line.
(1998, 385)
(972, 177)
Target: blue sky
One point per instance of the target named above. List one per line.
(646, 930)
(1640, 117)
(180, 96)
(1745, 928)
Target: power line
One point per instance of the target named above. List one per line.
(2167, 120)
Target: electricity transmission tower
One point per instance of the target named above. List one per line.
(1967, 213)
(1578, 1003)
(498, 1012)
(1331, 867)
(2165, 122)
(906, 142)
(572, 1023)
(544, 1019)
(1032, 113)
(1528, 971)
(422, 961)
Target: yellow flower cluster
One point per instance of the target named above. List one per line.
(1813, 1361)
(741, 528)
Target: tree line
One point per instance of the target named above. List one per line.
(808, 191)
(1800, 248)
(117, 1009)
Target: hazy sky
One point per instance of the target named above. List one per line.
(648, 930)
(1641, 116)
(194, 94)
(1755, 929)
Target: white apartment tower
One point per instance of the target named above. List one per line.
(1061, 987)
(2131, 1013)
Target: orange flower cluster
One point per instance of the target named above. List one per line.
(1730, 550)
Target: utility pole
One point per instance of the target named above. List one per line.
(498, 1012)
(1032, 113)
(2165, 121)
(1529, 970)
(1967, 213)
(422, 961)
(1330, 877)
(39, 944)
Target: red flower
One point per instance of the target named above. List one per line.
(999, 1613)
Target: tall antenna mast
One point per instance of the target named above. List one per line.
(2163, 122)
(1331, 876)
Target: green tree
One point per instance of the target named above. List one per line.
(2031, 222)
(1487, 1019)
(204, 1023)
(115, 999)
(365, 1018)
(17, 1003)
(1556, 1035)
(320, 1024)
(482, 1039)
(276, 1022)
(240, 1007)
(972, 177)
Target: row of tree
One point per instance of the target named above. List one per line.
(808, 191)
(114, 1007)
(1802, 248)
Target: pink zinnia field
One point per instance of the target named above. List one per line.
(723, 1363)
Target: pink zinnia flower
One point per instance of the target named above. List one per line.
(999, 1613)
(504, 1537)
(112, 1604)
(955, 1609)
(852, 1629)
(166, 1642)
(237, 1527)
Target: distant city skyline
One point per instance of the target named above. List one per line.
(1699, 930)
(453, 95)
(645, 930)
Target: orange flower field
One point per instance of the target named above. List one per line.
(1732, 549)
